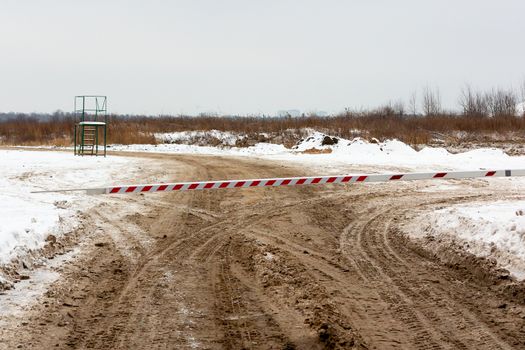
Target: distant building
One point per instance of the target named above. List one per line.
(289, 113)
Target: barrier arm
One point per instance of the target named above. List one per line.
(293, 181)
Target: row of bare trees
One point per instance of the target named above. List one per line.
(494, 103)
(431, 101)
(430, 105)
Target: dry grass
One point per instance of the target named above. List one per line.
(27, 130)
(317, 151)
(58, 131)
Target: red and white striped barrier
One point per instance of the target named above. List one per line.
(296, 181)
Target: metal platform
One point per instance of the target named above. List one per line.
(91, 120)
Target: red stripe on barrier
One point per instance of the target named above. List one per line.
(301, 181)
(146, 188)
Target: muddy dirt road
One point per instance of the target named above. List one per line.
(279, 268)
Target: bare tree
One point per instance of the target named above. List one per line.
(391, 109)
(399, 108)
(502, 103)
(466, 100)
(521, 110)
(474, 104)
(412, 103)
(431, 101)
(522, 91)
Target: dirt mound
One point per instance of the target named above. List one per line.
(317, 151)
(328, 141)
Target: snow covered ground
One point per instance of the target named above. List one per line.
(495, 230)
(520, 109)
(260, 149)
(28, 218)
(184, 137)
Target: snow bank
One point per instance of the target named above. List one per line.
(398, 154)
(226, 138)
(520, 109)
(26, 218)
(389, 154)
(260, 149)
(495, 230)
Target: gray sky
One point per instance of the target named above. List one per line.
(252, 57)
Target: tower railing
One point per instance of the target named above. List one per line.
(91, 119)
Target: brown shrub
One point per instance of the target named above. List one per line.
(27, 130)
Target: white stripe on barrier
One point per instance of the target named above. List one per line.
(295, 181)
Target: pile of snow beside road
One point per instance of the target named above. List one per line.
(259, 150)
(394, 153)
(26, 218)
(495, 230)
(383, 155)
(185, 137)
(520, 109)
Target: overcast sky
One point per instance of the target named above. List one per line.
(253, 57)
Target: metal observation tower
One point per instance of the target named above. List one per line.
(91, 120)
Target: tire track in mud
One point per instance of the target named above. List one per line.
(114, 333)
(426, 311)
(137, 301)
(436, 320)
(210, 245)
(246, 324)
